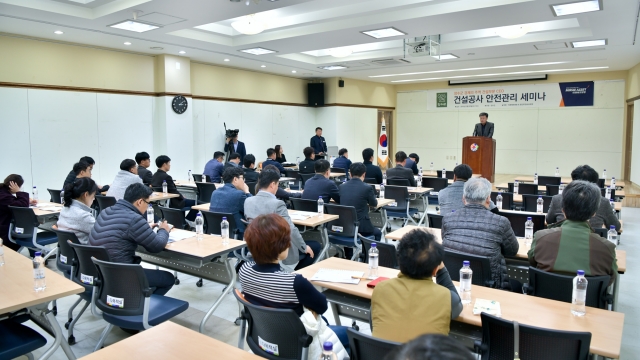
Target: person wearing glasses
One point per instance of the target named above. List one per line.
(123, 227)
(230, 198)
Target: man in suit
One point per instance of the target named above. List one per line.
(360, 195)
(265, 202)
(318, 144)
(234, 161)
(483, 128)
(144, 161)
(343, 161)
(412, 163)
(163, 162)
(271, 160)
(373, 171)
(306, 166)
(401, 172)
(214, 167)
(231, 197)
(250, 173)
(233, 145)
(320, 185)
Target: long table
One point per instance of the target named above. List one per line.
(605, 326)
(566, 180)
(518, 197)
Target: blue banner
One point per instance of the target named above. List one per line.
(577, 93)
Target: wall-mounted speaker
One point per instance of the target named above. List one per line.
(315, 94)
(340, 83)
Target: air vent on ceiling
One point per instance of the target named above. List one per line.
(551, 46)
(389, 62)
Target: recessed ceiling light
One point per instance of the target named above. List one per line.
(263, 65)
(341, 52)
(577, 7)
(472, 69)
(293, 71)
(257, 51)
(512, 32)
(249, 25)
(333, 67)
(383, 33)
(226, 59)
(182, 52)
(588, 43)
(445, 57)
(127, 43)
(58, 32)
(135, 26)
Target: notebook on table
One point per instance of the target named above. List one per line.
(338, 276)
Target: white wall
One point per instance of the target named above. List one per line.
(527, 140)
(349, 127)
(635, 146)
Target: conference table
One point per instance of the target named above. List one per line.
(566, 180)
(207, 259)
(46, 209)
(518, 197)
(171, 341)
(16, 282)
(418, 192)
(355, 301)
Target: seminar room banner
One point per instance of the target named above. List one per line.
(552, 95)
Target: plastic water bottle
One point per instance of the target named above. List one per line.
(465, 283)
(34, 193)
(612, 186)
(320, 205)
(384, 179)
(374, 253)
(579, 297)
(613, 205)
(298, 160)
(420, 171)
(288, 187)
(419, 182)
(224, 231)
(604, 174)
(164, 186)
(199, 226)
(557, 171)
(612, 235)
(444, 173)
(561, 188)
(1, 253)
(327, 351)
(221, 181)
(535, 178)
(381, 191)
(607, 193)
(539, 205)
(499, 201)
(150, 214)
(515, 186)
(189, 176)
(528, 232)
(39, 283)
(431, 168)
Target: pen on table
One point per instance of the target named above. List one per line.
(360, 277)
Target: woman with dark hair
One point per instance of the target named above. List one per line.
(264, 283)
(280, 154)
(10, 195)
(127, 175)
(76, 216)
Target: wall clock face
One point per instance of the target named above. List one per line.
(179, 104)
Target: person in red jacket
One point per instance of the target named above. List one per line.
(10, 195)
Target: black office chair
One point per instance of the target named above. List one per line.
(534, 343)
(524, 188)
(507, 199)
(338, 170)
(17, 340)
(518, 219)
(304, 205)
(105, 201)
(600, 183)
(601, 231)
(553, 190)
(292, 173)
(281, 327)
(197, 177)
(436, 183)
(387, 258)
(449, 174)
(370, 181)
(400, 194)
(398, 182)
(435, 220)
(530, 202)
(23, 231)
(55, 195)
(549, 180)
(205, 189)
(344, 230)
(365, 347)
(560, 287)
(175, 217)
(604, 192)
(480, 265)
(252, 187)
(304, 178)
(213, 221)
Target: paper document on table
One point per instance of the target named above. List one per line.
(51, 208)
(338, 276)
(302, 215)
(180, 235)
(490, 307)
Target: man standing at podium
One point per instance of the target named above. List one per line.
(483, 128)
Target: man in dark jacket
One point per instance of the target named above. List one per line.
(320, 185)
(230, 198)
(234, 161)
(483, 128)
(144, 161)
(85, 164)
(412, 163)
(307, 166)
(318, 144)
(271, 160)
(401, 172)
(343, 161)
(373, 171)
(123, 227)
(250, 173)
(360, 195)
(233, 145)
(163, 162)
(475, 230)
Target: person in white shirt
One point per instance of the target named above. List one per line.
(127, 175)
(77, 215)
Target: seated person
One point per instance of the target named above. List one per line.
(343, 161)
(360, 195)
(373, 171)
(271, 160)
(320, 185)
(230, 198)
(605, 217)
(450, 198)
(234, 161)
(163, 162)
(265, 284)
(306, 166)
(280, 158)
(570, 245)
(265, 202)
(214, 167)
(413, 294)
(401, 172)
(77, 215)
(475, 230)
(123, 227)
(281, 193)
(412, 163)
(10, 195)
(432, 347)
(144, 161)
(250, 173)
(127, 175)
(73, 173)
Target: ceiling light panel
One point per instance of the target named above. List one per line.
(135, 26)
(577, 7)
(257, 51)
(384, 33)
(333, 67)
(588, 43)
(445, 57)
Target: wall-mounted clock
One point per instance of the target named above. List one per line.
(179, 104)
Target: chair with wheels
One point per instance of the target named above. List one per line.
(197, 177)
(525, 188)
(601, 231)
(603, 191)
(601, 183)
(212, 225)
(105, 201)
(400, 208)
(398, 182)
(175, 217)
(304, 178)
(55, 195)
(435, 220)
(343, 232)
(292, 173)
(388, 256)
(534, 342)
(23, 231)
(480, 265)
(365, 347)
(560, 287)
(449, 174)
(507, 199)
(252, 187)
(205, 189)
(280, 327)
(549, 180)
(127, 301)
(370, 181)
(18, 340)
(304, 205)
(436, 183)
(552, 190)
(530, 202)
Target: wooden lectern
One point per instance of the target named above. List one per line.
(480, 153)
